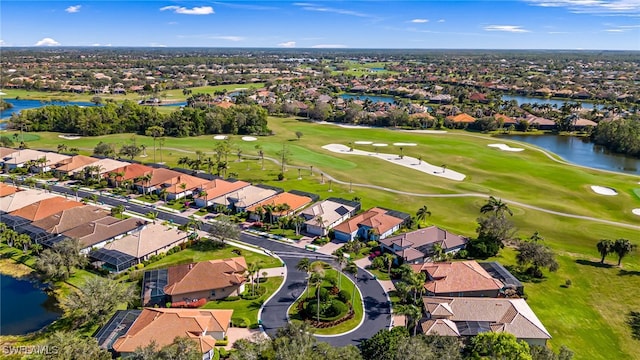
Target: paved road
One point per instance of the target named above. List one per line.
(274, 313)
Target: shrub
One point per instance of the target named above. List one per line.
(168, 304)
(568, 283)
(140, 266)
(231, 298)
(222, 342)
(333, 310)
(372, 243)
(377, 263)
(344, 296)
(240, 322)
(324, 294)
(280, 176)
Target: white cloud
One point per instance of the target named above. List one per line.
(506, 28)
(419, 21)
(47, 42)
(227, 37)
(287, 44)
(157, 45)
(312, 7)
(98, 44)
(172, 23)
(73, 9)
(197, 10)
(2, 42)
(441, 20)
(603, 7)
(615, 30)
(329, 46)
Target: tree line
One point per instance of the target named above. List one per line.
(620, 135)
(128, 117)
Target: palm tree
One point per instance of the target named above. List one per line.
(36, 248)
(438, 251)
(352, 269)
(155, 132)
(496, 206)
(422, 213)
(304, 265)
(75, 189)
(388, 259)
(342, 261)
(320, 222)
(153, 215)
(252, 269)
(316, 280)
(622, 247)
(413, 314)
(62, 148)
(297, 222)
(117, 210)
(605, 247)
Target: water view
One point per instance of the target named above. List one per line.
(582, 152)
(22, 104)
(531, 100)
(373, 98)
(25, 307)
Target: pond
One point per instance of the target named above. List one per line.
(582, 152)
(532, 100)
(25, 307)
(373, 98)
(22, 104)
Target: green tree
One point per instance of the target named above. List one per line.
(305, 265)
(605, 247)
(538, 256)
(71, 346)
(224, 229)
(97, 299)
(388, 260)
(117, 211)
(316, 279)
(182, 348)
(413, 313)
(622, 247)
(155, 132)
(130, 151)
(498, 345)
(384, 344)
(497, 206)
(422, 214)
(58, 262)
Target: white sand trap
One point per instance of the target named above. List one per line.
(405, 144)
(69, 137)
(406, 161)
(346, 126)
(426, 131)
(221, 137)
(505, 147)
(380, 144)
(2, 94)
(636, 212)
(249, 138)
(363, 142)
(603, 190)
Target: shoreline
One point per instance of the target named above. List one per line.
(17, 270)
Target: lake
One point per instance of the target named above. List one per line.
(25, 307)
(373, 98)
(531, 100)
(582, 152)
(22, 104)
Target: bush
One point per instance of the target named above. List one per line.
(344, 296)
(324, 294)
(372, 243)
(231, 298)
(331, 311)
(280, 176)
(377, 263)
(140, 266)
(568, 283)
(222, 342)
(240, 322)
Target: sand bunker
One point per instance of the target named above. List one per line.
(636, 212)
(406, 161)
(426, 131)
(249, 138)
(505, 147)
(404, 144)
(363, 142)
(221, 137)
(69, 137)
(603, 190)
(379, 144)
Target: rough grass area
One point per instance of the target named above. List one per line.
(193, 254)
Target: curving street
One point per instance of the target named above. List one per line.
(274, 312)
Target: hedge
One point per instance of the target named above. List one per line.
(240, 322)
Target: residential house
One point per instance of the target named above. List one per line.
(50, 226)
(96, 234)
(582, 123)
(497, 271)
(158, 178)
(374, 224)
(5, 152)
(505, 120)
(211, 280)
(22, 157)
(103, 166)
(325, 215)
(125, 332)
(69, 166)
(245, 197)
(460, 278)
(217, 188)
(294, 201)
(129, 172)
(182, 186)
(44, 208)
(466, 317)
(6, 189)
(149, 240)
(417, 246)
(540, 123)
(20, 199)
(461, 118)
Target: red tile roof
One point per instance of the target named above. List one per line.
(462, 118)
(294, 201)
(375, 218)
(46, 207)
(455, 277)
(205, 275)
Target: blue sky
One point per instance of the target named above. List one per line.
(506, 24)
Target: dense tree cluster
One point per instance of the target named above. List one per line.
(619, 135)
(128, 116)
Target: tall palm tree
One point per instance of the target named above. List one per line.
(605, 247)
(413, 314)
(297, 222)
(422, 213)
(496, 206)
(24, 241)
(622, 247)
(352, 269)
(388, 259)
(252, 269)
(304, 265)
(316, 280)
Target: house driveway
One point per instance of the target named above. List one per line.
(235, 333)
(330, 247)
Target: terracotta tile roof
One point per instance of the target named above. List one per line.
(454, 277)
(294, 201)
(160, 176)
(164, 325)
(423, 240)
(509, 315)
(374, 218)
(4, 152)
(6, 189)
(70, 218)
(75, 162)
(535, 120)
(23, 198)
(505, 119)
(103, 229)
(147, 240)
(585, 122)
(131, 171)
(205, 275)
(173, 185)
(225, 104)
(218, 187)
(422, 115)
(46, 207)
(462, 118)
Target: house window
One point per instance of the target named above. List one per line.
(213, 293)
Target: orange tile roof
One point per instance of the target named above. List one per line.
(190, 182)
(225, 104)
(131, 171)
(374, 218)
(75, 162)
(70, 218)
(6, 189)
(164, 325)
(218, 187)
(455, 277)
(462, 118)
(160, 176)
(46, 207)
(505, 119)
(294, 201)
(205, 275)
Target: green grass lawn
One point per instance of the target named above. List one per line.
(380, 274)
(248, 309)
(345, 284)
(190, 255)
(528, 177)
